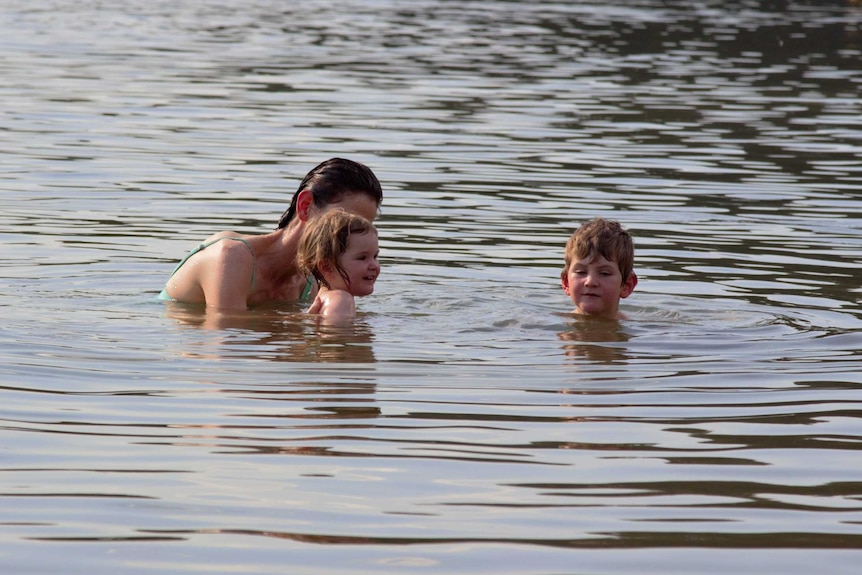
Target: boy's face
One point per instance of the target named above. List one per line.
(595, 286)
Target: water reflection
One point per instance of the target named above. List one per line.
(275, 334)
(593, 339)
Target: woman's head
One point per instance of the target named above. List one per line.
(332, 182)
(326, 248)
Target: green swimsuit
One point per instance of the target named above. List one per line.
(164, 294)
(306, 291)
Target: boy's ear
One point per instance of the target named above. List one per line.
(564, 280)
(629, 285)
(304, 201)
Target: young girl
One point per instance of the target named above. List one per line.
(340, 250)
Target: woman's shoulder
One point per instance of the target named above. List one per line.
(216, 237)
(228, 244)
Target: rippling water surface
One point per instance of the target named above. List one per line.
(467, 423)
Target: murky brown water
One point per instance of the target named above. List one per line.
(465, 424)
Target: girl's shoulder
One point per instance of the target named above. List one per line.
(337, 303)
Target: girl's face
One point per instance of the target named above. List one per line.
(359, 263)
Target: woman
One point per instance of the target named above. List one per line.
(231, 271)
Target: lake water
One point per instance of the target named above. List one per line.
(466, 424)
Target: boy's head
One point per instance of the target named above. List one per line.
(599, 267)
(601, 237)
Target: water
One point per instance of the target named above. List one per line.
(466, 423)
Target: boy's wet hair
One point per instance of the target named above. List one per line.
(601, 237)
(325, 239)
(330, 181)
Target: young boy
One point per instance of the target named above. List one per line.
(599, 268)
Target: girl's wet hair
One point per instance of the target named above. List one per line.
(601, 237)
(330, 181)
(325, 239)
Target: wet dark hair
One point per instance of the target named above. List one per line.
(330, 181)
